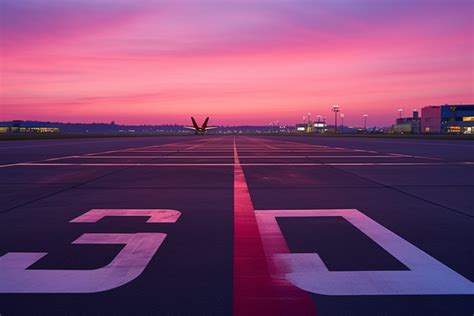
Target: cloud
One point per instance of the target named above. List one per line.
(27, 24)
(232, 58)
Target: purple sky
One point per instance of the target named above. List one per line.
(240, 62)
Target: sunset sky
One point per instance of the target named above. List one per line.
(238, 61)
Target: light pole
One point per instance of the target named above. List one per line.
(365, 122)
(400, 112)
(342, 122)
(335, 109)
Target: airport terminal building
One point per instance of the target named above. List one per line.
(408, 125)
(448, 119)
(20, 127)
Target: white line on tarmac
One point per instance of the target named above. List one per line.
(243, 164)
(98, 153)
(218, 157)
(418, 157)
(63, 144)
(243, 151)
(376, 152)
(10, 165)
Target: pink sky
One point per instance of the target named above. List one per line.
(238, 61)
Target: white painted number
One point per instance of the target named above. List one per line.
(426, 275)
(15, 277)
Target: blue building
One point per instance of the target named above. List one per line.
(448, 119)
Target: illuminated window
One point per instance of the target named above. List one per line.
(468, 119)
(454, 129)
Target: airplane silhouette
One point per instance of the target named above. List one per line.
(200, 130)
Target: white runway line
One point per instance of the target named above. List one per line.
(417, 157)
(61, 158)
(219, 157)
(244, 164)
(310, 151)
(10, 165)
(376, 152)
(98, 153)
(367, 151)
(153, 151)
(63, 144)
(244, 151)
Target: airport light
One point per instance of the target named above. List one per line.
(365, 122)
(342, 122)
(335, 109)
(400, 112)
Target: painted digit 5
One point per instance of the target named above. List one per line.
(15, 277)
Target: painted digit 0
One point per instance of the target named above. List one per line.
(426, 275)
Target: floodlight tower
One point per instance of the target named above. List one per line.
(335, 109)
(365, 122)
(400, 112)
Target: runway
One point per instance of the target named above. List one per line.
(237, 225)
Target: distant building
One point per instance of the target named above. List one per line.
(37, 130)
(448, 119)
(302, 128)
(319, 127)
(17, 128)
(312, 127)
(408, 125)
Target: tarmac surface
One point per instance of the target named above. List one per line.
(242, 225)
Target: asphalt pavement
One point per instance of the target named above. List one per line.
(243, 225)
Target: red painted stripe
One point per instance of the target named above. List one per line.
(256, 292)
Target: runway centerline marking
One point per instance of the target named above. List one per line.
(254, 288)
